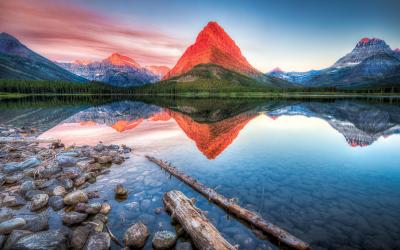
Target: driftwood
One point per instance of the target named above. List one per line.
(230, 206)
(203, 234)
(27, 140)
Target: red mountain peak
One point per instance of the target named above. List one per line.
(120, 60)
(397, 50)
(276, 70)
(213, 45)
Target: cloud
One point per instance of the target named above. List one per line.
(64, 32)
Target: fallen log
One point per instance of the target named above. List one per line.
(28, 140)
(230, 206)
(203, 234)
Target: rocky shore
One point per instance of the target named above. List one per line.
(42, 183)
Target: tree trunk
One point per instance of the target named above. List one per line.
(230, 206)
(203, 234)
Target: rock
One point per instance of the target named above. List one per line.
(50, 171)
(158, 210)
(93, 194)
(27, 185)
(72, 172)
(98, 241)
(14, 237)
(67, 183)
(29, 194)
(80, 181)
(104, 159)
(79, 237)
(39, 201)
(47, 184)
(66, 161)
(183, 246)
(118, 160)
(46, 240)
(8, 226)
(121, 190)
(72, 218)
(75, 197)
(14, 200)
(36, 222)
(70, 154)
(14, 178)
(3, 238)
(136, 235)
(105, 208)
(93, 208)
(56, 202)
(58, 191)
(2, 179)
(99, 147)
(6, 214)
(164, 240)
(18, 166)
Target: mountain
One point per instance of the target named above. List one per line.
(117, 70)
(159, 71)
(19, 62)
(213, 46)
(371, 63)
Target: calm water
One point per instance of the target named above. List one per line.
(327, 171)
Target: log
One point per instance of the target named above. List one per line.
(231, 207)
(203, 234)
(28, 140)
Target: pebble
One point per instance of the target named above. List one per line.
(39, 201)
(136, 235)
(59, 191)
(164, 240)
(75, 197)
(8, 226)
(72, 218)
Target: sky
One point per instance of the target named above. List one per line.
(295, 35)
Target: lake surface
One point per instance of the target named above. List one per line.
(327, 171)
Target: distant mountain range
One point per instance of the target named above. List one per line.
(371, 63)
(117, 70)
(19, 62)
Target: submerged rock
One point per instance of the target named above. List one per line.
(98, 241)
(164, 240)
(72, 218)
(120, 190)
(75, 197)
(39, 201)
(136, 235)
(183, 246)
(8, 226)
(46, 240)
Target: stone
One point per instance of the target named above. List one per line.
(79, 181)
(67, 183)
(71, 172)
(98, 241)
(118, 160)
(105, 208)
(14, 237)
(58, 191)
(46, 240)
(18, 166)
(93, 194)
(75, 197)
(93, 208)
(8, 226)
(27, 185)
(183, 246)
(104, 159)
(70, 154)
(50, 171)
(36, 222)
(158, 210)
(99, 147)
(39, 201)
(79, 237)
(14, 200)
(6, 214)
(72, 218)
(120, 190)
(2, 179)
(66, 161)
(164, 240)
(29, 194)
(136, 235)
(3, 239)
(56, 202)
(14, 178)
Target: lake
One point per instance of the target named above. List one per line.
(325, 170)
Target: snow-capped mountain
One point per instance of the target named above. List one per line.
(117, 70)
(371, 63)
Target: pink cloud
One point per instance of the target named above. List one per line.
(63, 32)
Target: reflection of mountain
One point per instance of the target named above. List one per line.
(212, 138)
(360, 123)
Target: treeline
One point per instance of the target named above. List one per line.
(59, 87)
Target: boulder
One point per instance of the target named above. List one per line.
(39, 201)
(14, 178)
(36, 222)
(66, 161)
(56, 202)
(75, 197)
(46, 240)
(8, 226)
(67, 183)
(31, 193)
(27, 185)
(58, 191)
(98, 241)
(14, 237)
(72, 218)
(79, 237)
(14, 200)
(136, 235)
(164, 240)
